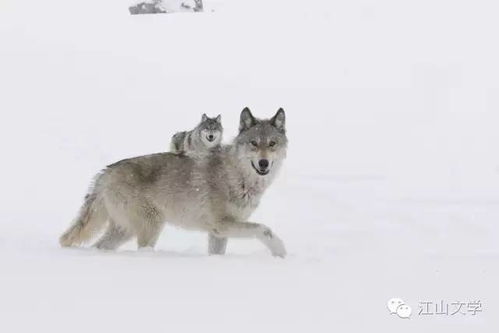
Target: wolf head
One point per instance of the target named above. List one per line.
(210, 130)
(261, 144)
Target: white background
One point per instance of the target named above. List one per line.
(390, 188)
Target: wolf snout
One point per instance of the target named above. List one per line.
(263, 164)
(211, 137)
(263, 167)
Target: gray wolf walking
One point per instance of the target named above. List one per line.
(207, 134)
(215, 193)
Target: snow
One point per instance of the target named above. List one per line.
(390, 188)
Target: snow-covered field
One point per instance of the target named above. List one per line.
(390, 189)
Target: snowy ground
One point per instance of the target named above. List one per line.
(390, 189)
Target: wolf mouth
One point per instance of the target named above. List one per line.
(261, 173)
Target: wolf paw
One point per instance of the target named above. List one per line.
(277, 248)
(274, 243)
(146, 249)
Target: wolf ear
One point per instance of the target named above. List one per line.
(247, 120)
(204, 117)
(279, 120)
(219, 119)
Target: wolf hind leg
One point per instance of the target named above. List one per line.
(148, 234)
(114, 237)
(216, 245)
(251, 230)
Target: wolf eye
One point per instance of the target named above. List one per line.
(254, 143)
(272, 143)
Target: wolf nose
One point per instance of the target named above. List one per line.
(263, 164)
(210, 137)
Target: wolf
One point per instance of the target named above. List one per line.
(206, 135)
(214, 193)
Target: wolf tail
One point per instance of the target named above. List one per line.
(91, 218)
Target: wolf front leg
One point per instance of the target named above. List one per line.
(216, 245)
(251, 230)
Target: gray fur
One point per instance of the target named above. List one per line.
(215, 193)
(206, 135)
(147, 7)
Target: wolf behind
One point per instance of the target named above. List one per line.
(207, 134)
(215, 193)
